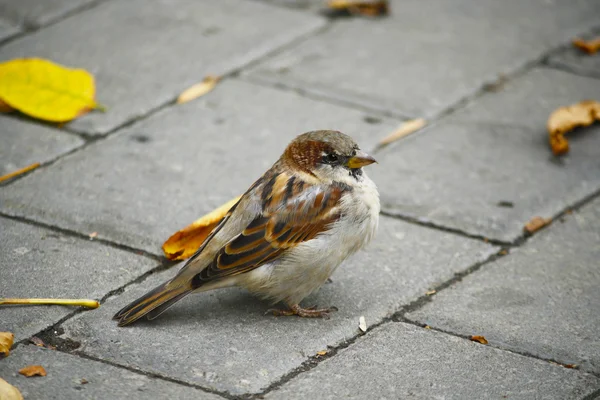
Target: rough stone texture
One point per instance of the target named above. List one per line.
(160, 175)
(25, 143)
(139, 67)
(402, 361)
(457, 172)
(541, 300)
(577, 61)
(402, 65)
(34, 13)
(65, 373)
(37, 262)
(7, 29)
(225, 341)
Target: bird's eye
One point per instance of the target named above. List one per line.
(331, 158)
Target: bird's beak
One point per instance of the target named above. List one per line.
(360, 159)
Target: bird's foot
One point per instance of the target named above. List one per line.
(310, 312)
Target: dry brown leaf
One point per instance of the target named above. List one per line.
(535, 224)
(199, 89)
(362, 324)
(33, 370)
(19, 172)
(480, 339)
(570, 366)
(430, 292)
(84, 381)
(6, 342)
(40, 343)
(369, 8)
(589, 46)
(8, 391)
(322, 352)
(404, 130)
(184, 243)
(565, 119)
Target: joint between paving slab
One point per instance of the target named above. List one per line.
(593, 396)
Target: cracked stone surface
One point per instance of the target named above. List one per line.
(401, 361)
(71, 377)
(144, 184)
(34, 13)
(401, 65)
(541, 300)
(7, 29)
(227, 344)
(37, 262)
(139, 67)
(24, 143)
(578, 62)
(488, 169)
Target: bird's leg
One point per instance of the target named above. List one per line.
(311, 312)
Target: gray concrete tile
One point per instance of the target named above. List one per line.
(26, 143)
(403, 65)
(402, 361)
(143, 56)
(35, 13)
(65, 373)
(541, 300)
(578, 62)
(36, 262)
(144, 184)
(8, 29)
(223, 340)
(457, 172)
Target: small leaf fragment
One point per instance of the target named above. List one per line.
(589, 46)
(46, 90)
(184, 243)
(404, 130)
(535, 224)
(565, 119)
(8, 391)
(427, 327)
(570, 366)
(199, 89)
(322, 353)
(430, 292)
(480, 339)
(362, 324)
(369, 8)
(33, 370)
(19, 172)
(6, 342)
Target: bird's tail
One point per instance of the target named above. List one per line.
(153, 303)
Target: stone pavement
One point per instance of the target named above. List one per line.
(450, 259)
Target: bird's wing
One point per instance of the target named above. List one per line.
(292, 212)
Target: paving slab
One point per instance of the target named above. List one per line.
(25, 143)
(72, 377)
(401, 361)
(222, 339)
(402, 65)
(35, 13)
(489, 169)
(8, 29)
(37, 262)
(578, 62)
(144, 184)
(143, 57)
(541, 300)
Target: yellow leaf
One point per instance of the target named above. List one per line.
(8, 391)
(370, 8)
(589, 46)
(199, 89)
(565, 119)
(45, 90)
(404, 130)
(322, 353)
(184, 243)
(6, 342)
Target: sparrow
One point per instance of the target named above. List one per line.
(287, 234)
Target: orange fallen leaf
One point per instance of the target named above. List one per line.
(184, 243)
(480, 339)
(404, 130)
(369, 8)
(565, 119)
(199, 89)
(535, 224)
(8, 391)
(589, 46)
(6, 342)
(46, 90)
(322, 353)
(18, 172)
(33, 370)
